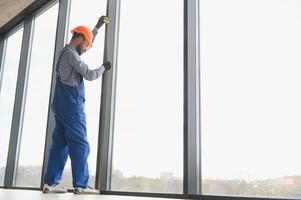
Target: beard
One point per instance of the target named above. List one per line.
(78, 49)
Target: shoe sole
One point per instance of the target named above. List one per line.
(47, 191)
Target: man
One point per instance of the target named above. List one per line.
(70, 135)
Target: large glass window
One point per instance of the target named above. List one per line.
(87, 14)
(250, 97)
(37, 99)
(148, 132)
(7, 94)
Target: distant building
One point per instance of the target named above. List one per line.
(292, 180)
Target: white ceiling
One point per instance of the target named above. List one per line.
(11, 8)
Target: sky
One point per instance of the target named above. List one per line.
(250, 88)
(148, 132)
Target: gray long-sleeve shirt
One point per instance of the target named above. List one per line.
(72, 68)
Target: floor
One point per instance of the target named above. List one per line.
(9, 194)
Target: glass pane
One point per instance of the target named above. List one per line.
(37, 100)
(94, 58)
(251, 111)
(148, 133)
(7, 94)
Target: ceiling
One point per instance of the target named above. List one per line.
(10, 8)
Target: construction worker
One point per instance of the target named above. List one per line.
(70, 135)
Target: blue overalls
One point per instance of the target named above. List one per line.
(70, 134)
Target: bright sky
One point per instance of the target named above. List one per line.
(250, 70)
(149, 106)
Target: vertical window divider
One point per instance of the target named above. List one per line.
(17, 120)
(192, 168)
(106, 124)
(3, 42)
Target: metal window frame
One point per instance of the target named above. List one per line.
(44, 8)
(192, 169)
(15, 139)
(35, 15)
(191, 134)
(61, 38)
(108, 92)
(18, 114)
(5, 38)
(3, 42)
(104, 161)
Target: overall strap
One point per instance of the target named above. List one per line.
(58, 62)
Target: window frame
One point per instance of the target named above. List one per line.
(33, 18)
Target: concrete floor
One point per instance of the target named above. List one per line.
(10, 194)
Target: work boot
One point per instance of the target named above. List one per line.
(55, 188)
(88, 190)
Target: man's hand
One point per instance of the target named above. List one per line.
(102, 20)
(107, 65)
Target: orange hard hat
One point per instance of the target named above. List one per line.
(86, 32)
